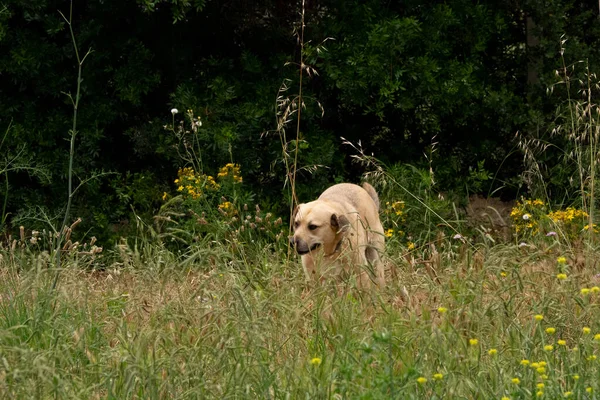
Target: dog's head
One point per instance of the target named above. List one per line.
(316, 224)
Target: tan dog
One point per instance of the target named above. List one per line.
(341, 232)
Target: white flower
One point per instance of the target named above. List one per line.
(457, 236)
(174, 111)
(523, 244)
(526, 217)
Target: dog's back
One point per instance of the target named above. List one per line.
(354, 194)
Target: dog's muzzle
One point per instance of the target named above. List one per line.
(302, 247)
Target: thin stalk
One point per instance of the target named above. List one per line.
(592, 154)
(73, 132)
(5, 177)
(573, 127)
(299, 103)
(5, 198)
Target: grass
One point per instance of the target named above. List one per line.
(226, 326)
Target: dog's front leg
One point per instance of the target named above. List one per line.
(310, 270)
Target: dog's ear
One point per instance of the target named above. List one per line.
(339, 223)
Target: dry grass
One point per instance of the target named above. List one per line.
(202, 331)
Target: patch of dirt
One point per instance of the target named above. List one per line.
(492, 214)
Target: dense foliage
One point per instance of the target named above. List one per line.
(446, 84)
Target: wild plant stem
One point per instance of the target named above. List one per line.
(592, 154)
(75, 103)
(299, 102)
(6, 178)
(5, 199)
(573, 127)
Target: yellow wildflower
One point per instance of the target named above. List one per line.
(226, 205)
(542, 363)
(316, 361)
(438, 376)
(589, 389)
(492, 352)
(389, 233)
(525, 362)
(230, 169)
(586, 330)
(561, 260)
(442, 310)
(541, 370)
(561, 277)
(211, 183)
(561, 342)
(595, 289)
(422, 380)
(548, 347)
(540, 385)
(576, 377)
(585, 291)
(592, 357)
(587, 227)
(568, 394)
(550, 330)
(516, 381)
(597, 337)
(411, 245)
(473, 342)
(539, 317)
(396, 207)
(539, 393)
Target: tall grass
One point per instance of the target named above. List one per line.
(145, 326)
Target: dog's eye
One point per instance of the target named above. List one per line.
(312, 227)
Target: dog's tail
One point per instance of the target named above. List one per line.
(372, 193)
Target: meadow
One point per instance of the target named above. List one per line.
(204, 299)
(232, 317)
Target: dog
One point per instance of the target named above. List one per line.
(341, 232)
